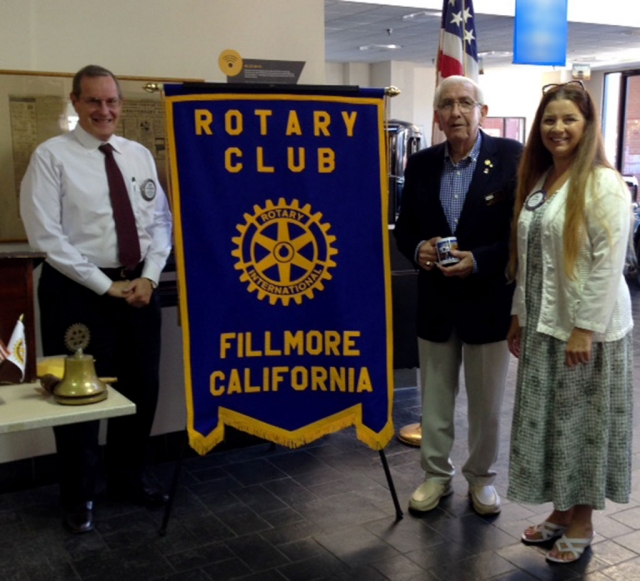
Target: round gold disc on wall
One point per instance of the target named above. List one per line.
(230, 62)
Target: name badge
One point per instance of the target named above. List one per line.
(535, 200)
(148, 190)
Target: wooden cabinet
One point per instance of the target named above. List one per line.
(17, 298)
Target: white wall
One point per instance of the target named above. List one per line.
(164, 38)
(358, 74)
(514, 91)
(416, 84)
(159, 39)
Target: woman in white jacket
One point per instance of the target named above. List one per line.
(572, 423)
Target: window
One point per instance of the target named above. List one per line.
(511, 127)
(621, 121)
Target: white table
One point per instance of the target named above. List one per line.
(24, 407)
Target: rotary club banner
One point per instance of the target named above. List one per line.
(280, 203)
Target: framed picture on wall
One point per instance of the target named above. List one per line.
(511, 127)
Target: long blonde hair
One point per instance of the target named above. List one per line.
(536, 160)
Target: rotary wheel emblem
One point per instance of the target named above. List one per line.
(77, 337)
(284, 251)
(20, 351)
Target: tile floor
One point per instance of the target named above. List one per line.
(265, 513)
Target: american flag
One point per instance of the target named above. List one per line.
(458, 50)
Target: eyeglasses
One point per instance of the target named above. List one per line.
(557, 86)
(112, 103)
(465, 105)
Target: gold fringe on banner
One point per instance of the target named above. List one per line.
(300, 437)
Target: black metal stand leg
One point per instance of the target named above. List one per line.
(174, 486)
(392, 488)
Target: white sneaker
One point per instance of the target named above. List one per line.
(485, 499)
(428, 494)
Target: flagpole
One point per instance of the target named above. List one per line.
(463, 31)
(434, 127)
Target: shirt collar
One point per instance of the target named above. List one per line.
(472, 155)
(91, 142)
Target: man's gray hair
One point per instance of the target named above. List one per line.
(457, 79)
(91, 71)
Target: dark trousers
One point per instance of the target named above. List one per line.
(125, 343)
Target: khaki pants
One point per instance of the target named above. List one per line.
(485, 372)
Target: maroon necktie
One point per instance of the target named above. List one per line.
(128, 241)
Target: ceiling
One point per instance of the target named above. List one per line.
(349, 25)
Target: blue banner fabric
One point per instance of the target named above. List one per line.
(280, 203)
(540, 32)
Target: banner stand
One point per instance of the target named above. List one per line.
(175, 479)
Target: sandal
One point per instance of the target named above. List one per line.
(547, 531)
(566, 545)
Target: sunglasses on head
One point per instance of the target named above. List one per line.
(556, 86)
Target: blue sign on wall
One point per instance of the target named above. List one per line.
(540, 32)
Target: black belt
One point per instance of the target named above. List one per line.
(122, 273)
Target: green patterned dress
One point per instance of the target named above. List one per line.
(572, 427)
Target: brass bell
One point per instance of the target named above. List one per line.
(80, 384)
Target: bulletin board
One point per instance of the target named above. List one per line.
(35, 106)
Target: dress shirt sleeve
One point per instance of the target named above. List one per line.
(41, 212)
(160, 232)
(608, 224)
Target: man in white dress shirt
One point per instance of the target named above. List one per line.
(66, 203)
